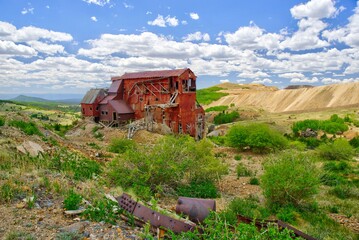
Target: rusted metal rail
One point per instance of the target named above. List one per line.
(265, 223)
(155, 218)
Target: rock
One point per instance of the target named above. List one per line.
(20, 205)
(211, 128)
(309, 133)
(74, 212)
(78, 227)
(214, 133)
(31, 148)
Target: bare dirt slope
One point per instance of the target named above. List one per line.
(290, 100)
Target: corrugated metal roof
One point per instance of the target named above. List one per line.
(121, 106)
(152, 74)
(115, 86)
(107, 99)
(91, 95)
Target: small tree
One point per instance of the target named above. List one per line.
(289, 179)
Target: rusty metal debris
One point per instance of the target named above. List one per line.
(196, 209)
(264, 224)
(155, 218)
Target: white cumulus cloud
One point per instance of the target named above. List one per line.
(93, 18)
(314, 9)
(197, 36)
(27, 10)
(304, 80)
(98, 2)
(161, 21)
(263, 81)
(194, 16)
(224, 81)
(291, 75)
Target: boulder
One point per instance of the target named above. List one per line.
(31, 148)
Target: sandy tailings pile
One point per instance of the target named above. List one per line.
(288, 100)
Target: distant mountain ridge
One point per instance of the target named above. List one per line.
(24, 98)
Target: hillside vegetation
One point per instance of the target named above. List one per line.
(300, 168)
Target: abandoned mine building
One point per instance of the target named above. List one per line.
(165, 97)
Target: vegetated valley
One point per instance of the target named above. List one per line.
(262, 161)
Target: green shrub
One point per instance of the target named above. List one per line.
(287, 214)
(7, 192)
(29, 128)
(238, 157)
(208, 95)
(299, 126)
(311, 142)
(217, 109)
(170, 163)
(340, 149)
(354, 142)
(332, 179)
(2, 121)
(344, 191)
(72, 201)
(242, 171)
(219, 140)
(259, 137)
(248, 207)
(254, 181)
(289, 179)
(120, 145)
(222, 118)
(77, 166)
(103, 210)
(333, 125)
(337, 166)
(198, 190)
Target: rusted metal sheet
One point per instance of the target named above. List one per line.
(195, 208)
(155, 218)
(152, 74)
(264, 224)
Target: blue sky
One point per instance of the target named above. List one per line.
(63, 47)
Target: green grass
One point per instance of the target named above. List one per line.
(225, 118)
(217, 109)
(28, 128)
(208, 95)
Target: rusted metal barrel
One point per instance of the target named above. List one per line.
(197, 209)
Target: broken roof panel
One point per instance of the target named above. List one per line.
(107, 99)
(92, 95)
(121, 106)
(152, 74)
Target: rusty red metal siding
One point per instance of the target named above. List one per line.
(89, 110)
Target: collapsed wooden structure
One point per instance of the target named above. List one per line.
(165, 97)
